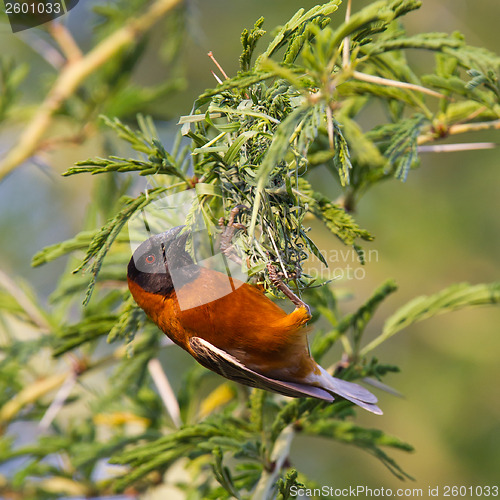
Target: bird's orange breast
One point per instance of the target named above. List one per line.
(244, 323)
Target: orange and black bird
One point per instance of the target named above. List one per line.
(241, 335)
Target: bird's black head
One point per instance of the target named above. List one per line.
(151, 265)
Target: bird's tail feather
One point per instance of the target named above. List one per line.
(348, 390)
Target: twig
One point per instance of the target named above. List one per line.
(329, 126)
(58, 401)
(394, 83)
(165, 389)
(461, 128)
(447, 148)
(65, 40)
(197, 118)
(39, 45)
(277, 252)
(73, 74)
(211, 55)
(25, 302)
(217, 79)
(346, 49)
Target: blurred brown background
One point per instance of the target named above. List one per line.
(438, 228)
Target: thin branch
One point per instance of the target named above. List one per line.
(460, 128)
(58, 402)
(346, 344)
(165, 389)
(217, 79)
(197, 118)
(329, 126)
(277, 252)
(73, 74)
(447, 148)
(65, 41)
(25, 302)
(43, 48)
(394, 83)
(346, 48)
(211, 55)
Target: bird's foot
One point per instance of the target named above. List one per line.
(278, 283)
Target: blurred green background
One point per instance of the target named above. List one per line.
(439, 227)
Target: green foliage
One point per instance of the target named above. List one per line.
(249, 41)
(11, 76)
(252, 141)
(455, 297)
(370, 440)
(355, 322)
(402, 150)
(158, 162)
(285, 485)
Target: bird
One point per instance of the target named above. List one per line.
(229, 326)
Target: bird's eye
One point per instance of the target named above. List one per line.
(150, 259)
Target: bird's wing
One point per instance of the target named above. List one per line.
(228, 366)
(348, 390)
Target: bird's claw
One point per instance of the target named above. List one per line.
(278, 283)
